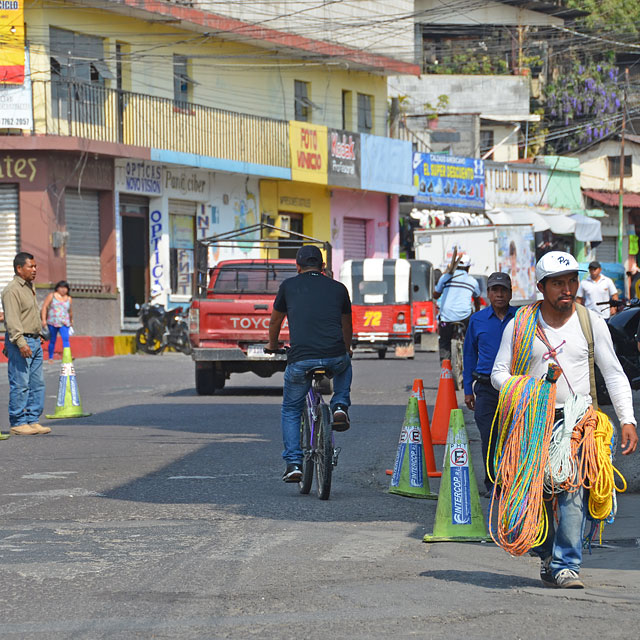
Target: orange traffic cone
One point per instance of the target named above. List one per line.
(418, 392)
(446, 401)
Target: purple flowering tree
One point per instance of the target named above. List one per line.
(583, 105)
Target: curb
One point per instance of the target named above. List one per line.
(91, 346)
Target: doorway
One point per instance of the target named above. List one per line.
(295, 225)
(135, 254)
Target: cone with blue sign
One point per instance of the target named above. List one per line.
(410, 476)
(68, 403)
(459, 516)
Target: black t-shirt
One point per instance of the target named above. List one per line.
(314, 304)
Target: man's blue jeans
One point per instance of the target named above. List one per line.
(26, 383)
(564, 539)
(296, 386)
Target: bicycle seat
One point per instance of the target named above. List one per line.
(317, 371)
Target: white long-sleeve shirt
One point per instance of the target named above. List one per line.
(573, 358)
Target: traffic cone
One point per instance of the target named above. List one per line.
(68, 404)
(410, 471)
(418, 392)
(446, 401)
(459, 515)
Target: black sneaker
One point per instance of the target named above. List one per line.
(340, 418)
(545, 573)
(293, 473)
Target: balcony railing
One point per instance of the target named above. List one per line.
(97, 113)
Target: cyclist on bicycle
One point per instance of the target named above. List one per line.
(457, 294)
(318, 310)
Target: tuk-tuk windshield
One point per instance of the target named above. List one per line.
(377, 281)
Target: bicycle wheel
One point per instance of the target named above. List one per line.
(456, 364)
(323, 452)
(307, 460)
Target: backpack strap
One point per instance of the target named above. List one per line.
(585, 325)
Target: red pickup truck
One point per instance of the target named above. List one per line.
(229, 328)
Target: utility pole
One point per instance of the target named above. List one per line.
(621, 189)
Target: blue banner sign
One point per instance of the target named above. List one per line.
(448, 181)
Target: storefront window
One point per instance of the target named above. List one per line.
(182, 258)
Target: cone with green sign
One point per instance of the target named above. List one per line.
(68, 403)
(459, 516)
(410, 476)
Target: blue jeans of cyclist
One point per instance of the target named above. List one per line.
(296, 386)
(26, 383)
(564, 539)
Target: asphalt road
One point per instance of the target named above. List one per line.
(163, 515)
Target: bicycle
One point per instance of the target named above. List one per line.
(320, 453)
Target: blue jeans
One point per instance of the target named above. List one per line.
(26, 383)
(564, 540)
(296, 386)
(486, 405)
(64, 334)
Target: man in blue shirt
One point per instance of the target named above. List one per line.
(458, 294)
(480, 349)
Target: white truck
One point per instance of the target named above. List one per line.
(508, 248)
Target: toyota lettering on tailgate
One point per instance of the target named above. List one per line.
(247, 322)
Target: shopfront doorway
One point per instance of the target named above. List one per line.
(135, 252)
(295, 225)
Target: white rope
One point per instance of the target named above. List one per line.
(561, 466)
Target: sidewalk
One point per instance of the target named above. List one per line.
(89, 346)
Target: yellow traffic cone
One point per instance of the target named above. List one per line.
(410, 476)
(68, 404)
(459, 515)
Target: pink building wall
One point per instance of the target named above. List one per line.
(381, 214)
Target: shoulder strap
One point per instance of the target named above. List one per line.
(585, 325)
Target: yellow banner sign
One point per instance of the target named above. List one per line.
(308, 143)
(11, 41)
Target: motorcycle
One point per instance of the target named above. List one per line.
(163, 328)
(623, 327)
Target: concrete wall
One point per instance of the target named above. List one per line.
(471, 12)
(484, 95)
(380, 26)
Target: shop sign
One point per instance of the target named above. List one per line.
(12, 168)
(344, 158)
(138, 176)
(12, 63)
(516, 185)
(186, 184)
(386, 165)
(159, 271)
(449, 181)
(16, 104)
(308, 146)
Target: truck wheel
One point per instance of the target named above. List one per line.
(218, 380)
(382, 353)
(205, 381)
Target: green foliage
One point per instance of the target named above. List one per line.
(617, 15)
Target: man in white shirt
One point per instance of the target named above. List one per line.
(597, 288)
(557, 277)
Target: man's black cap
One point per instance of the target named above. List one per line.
(595, 265)
(499, 279)
(309, 256)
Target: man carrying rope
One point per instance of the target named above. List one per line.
(544, 334)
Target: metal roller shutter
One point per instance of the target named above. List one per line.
(82, 214)
(354, 239)
(607, 250)
(9, 236)
(183, 207)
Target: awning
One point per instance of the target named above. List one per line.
(611, 198)
(587, 229)
(559, 221)
(516, 215)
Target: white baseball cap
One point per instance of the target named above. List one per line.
(555, 263)
(465, 261)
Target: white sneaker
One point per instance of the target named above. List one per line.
(568, 579)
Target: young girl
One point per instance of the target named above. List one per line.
(57, 313)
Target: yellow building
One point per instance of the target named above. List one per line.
(138, 129)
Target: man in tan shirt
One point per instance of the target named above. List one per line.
(24, 349)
